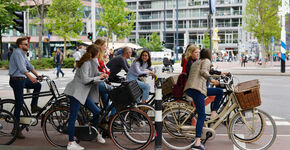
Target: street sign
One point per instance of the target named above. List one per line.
(272, 39)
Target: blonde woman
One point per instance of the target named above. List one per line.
(191, 56)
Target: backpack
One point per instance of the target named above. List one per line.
(177, 89)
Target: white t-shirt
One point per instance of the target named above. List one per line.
(77, 56)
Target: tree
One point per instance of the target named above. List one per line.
(206, 41)
(64, 19)
(261, 18)
(7, 7)
(39, 10)
(153, 43)
(115, 19)
(142, 42)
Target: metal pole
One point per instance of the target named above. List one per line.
(283, 37)
(93, 19)
(164, 22)
(158, 111)
(176, 45)
(209, 25)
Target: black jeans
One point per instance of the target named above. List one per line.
(18, 85)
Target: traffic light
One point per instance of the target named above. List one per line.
(19, 22)
(163, 43)
(90, 35)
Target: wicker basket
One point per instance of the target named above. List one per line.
(168, 84)
(248, 94)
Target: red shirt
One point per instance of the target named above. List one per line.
(184, 65)
(102, 67)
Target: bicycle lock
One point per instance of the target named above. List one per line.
(158, 110)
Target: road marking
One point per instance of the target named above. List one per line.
(279, 123)
(277, 118)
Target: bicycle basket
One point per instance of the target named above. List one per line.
(126, 94)
(248, 94)
(168, 84)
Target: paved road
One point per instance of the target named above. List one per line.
(274, 92)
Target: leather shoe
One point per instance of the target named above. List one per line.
(35, 109)
(19, 135)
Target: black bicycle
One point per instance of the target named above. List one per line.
(130, 128)
(8, 131)
(28, 119)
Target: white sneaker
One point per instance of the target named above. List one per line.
(100, 139)
(74, 146)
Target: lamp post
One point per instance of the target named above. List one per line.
(283, 36)
(176, 34)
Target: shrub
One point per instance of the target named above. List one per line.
(4, 64)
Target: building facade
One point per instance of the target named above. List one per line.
(192, 21)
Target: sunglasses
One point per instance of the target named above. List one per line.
(25, 44)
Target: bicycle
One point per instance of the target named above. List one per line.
(27, 119)
(247, 128)
(130, 128)
(8, 127)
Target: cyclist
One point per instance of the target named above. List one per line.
(103, 68)
(119, 62)
(196, 89)
(19, 68)
(140, 66)
(80, 92)
(192, 55)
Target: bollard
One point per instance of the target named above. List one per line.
(158, 111)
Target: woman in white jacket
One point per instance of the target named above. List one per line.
(81, 92)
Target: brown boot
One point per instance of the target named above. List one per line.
(35, 109)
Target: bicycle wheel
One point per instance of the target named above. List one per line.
(148, 109)
(260, 133)
(173, 119)
(131, 129)
(9, 105)
(8, 131)
(55, 124)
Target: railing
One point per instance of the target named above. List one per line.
(227, 24)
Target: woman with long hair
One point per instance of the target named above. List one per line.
(81, 92)
(196, 88)
(191, 55)
(140, 66)
(103, 68)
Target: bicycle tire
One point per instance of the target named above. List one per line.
(57, 134)
(7, 134)
(9, 105)
(266, 128)
(176, 138)
(132, 118)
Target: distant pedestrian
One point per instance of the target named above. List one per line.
(58, 60)
(77, 56)
(10, 51)
(244, 60)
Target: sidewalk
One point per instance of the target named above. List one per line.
(250, 69)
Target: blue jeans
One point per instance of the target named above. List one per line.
(218, 93)
(74, 109)
(58, 66)
(144, 86)
(18, 86)
(198, 100)
(105, 97)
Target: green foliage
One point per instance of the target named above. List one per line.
(261, 18)
(142, 41)
(64, 19)
(4, 64)
(206, 41)
(153, 44)
(7, 7)
(115, 19)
